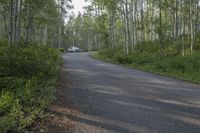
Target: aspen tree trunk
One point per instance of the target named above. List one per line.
(113, 38)
(1, 27)
(151, 22)
(172, 23)
(124, 24)
(132, 26)
(45, 35)
(183, 31)
(89, 41)
(127, 26)
(135, 22)
(100, 34)
(16, 15)
(60, 4)
(142, 22)
(27, 22)
(160, 26)
(176, 18)
(196, 18)
(97, 12)
(138, 26)
(191, 27)
(18, 29)
(59, 36)
(11, 31)
(14, 21)
(148, 23)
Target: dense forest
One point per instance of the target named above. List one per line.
(154, 35)
(132, 22)
(33, 21)
(30, 33)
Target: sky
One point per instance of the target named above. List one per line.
(78, 5)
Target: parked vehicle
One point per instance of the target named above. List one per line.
(73, 49)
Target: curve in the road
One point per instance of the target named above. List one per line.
(114, 99)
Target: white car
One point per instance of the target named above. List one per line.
(73, 49)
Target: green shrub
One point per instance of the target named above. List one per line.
(169, 61)
(62, 50)
(28, 75)
(6, 102)
(10, 112)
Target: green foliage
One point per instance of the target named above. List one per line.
(62, 50)
(6, 101)
(168, 62)
(10, 112)
(27, 61)
(28, 75)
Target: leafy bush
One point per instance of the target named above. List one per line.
(10, 112)
(27, 79)
(26, 62)
(62, 50)
(169, 61)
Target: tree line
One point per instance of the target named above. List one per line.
(130, 23)
(39, 21)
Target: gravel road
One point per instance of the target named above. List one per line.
(115, 99)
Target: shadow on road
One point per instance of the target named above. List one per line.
(109, 99)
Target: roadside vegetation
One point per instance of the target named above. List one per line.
(169, 62)
(31, 41)
(28, 75)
